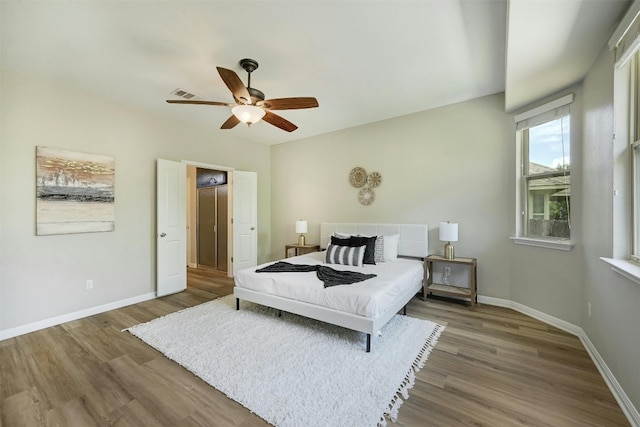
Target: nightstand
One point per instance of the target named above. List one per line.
(300, 249)
(440, 263)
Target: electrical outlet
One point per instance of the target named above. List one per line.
(89, 284)
(589, 310)
(447, 270)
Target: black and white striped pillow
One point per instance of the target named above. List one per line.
(345, 255)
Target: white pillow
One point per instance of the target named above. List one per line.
(342, 235)
(391, 247)
(346, 255)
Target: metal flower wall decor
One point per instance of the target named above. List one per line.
(359, 178)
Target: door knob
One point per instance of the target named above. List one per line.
(163, 234)
(253, 228)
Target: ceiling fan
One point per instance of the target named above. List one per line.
(250, 106)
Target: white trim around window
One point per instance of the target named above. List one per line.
(562, 245)
(544, 108)
(625, 268)
(535, 117)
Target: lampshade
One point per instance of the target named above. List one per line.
(448, 232)
(301, 227)
(248, 114)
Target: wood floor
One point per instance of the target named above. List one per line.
(491, 367)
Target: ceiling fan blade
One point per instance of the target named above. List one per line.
(235, 85)
(181, 101)
(289, 103)
(230, 123)
(279, 122)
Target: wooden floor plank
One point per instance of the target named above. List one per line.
(26, 408)
(133, 414)
(492, 366)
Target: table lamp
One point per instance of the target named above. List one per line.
(301, 229)
(448, 233)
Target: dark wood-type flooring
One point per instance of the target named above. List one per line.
(491, 367)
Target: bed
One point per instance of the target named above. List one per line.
(364, 306)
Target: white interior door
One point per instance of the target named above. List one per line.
(171, 231)
(245, 220)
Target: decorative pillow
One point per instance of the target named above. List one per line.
(391, 247)
(340, 241)
(345, 255)
(378, 251)
(378, 254)
(370, 242)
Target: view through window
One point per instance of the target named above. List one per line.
(547, 177)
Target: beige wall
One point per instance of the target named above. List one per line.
(451, 163)
(549, 280)
(458, 163)
(44, 276)
(613, 326)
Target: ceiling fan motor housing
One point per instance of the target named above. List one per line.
(256, 95)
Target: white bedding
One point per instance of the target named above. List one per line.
(369, 298)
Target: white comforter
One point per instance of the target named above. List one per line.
(369, 298)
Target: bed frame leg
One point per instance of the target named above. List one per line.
(237, 303)
(368, 343)
(404, 310)
(279, 313)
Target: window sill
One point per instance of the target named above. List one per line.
(563, 245)
(625, 268)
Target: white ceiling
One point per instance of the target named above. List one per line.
(364, 61)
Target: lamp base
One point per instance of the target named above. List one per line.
(301, 240)
(449, 252)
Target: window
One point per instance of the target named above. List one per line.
(537, 211)
(634, 147)
(625, 41)
(544, 201)
(627, 231)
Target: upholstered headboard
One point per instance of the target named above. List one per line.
(413, 242)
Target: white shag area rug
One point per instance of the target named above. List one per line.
(293, 371)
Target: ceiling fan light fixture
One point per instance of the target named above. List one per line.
(248, 114)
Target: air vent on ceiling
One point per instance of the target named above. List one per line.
(184, 94)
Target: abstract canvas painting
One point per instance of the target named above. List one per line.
(74, 192)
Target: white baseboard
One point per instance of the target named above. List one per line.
(53, 321)
(623, 400)
(630, 411)
(543, 317)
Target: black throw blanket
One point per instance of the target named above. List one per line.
(327, 275)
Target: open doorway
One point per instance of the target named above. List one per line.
(208, 225)
(175, 204)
